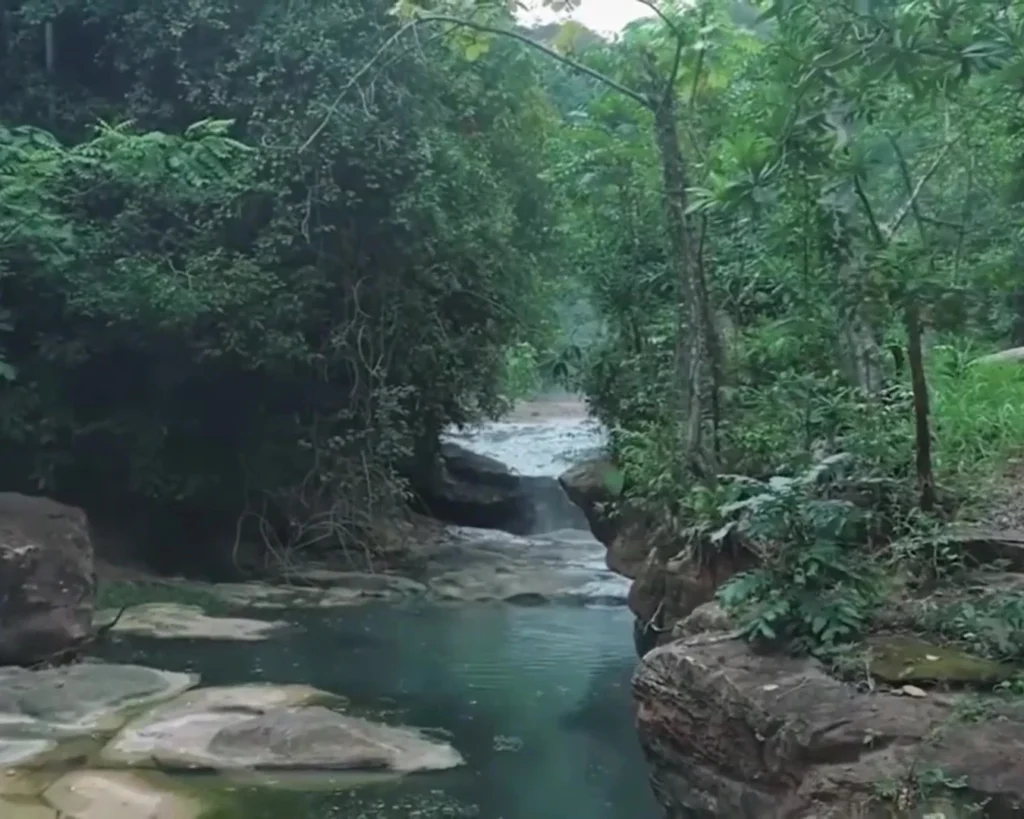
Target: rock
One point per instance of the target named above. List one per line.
(367, 583)
(629, 549)
(728, 733)
(321, 739)
(24, 782)
(591, 486)
(25, 809)
(177, 621)
(899, 659)
(669, 587)
(79, 699)
(669, 581)
(270, 727)
(474, 490)
(1010, 356)
(481, 564)
(117, 795)
(707, 617)
(47, 580)
(990, 547)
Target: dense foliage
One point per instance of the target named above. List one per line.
(758, 235)
(284, 321)
(848, 200)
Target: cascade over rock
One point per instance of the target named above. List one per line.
(478, 491)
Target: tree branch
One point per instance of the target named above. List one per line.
(457, 22)
(914, 191)
(333, 108)
(876, 230)
(664, 17)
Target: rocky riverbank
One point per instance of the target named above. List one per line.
(87, 741)
(908, 728)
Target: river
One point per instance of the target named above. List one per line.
(535, 697)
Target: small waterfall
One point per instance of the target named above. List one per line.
(539, 451)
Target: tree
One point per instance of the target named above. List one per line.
(657, 91)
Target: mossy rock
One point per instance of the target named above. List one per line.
(903, 659)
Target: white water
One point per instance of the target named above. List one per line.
(545, 448)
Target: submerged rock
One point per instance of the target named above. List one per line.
(48, 580)
(14, 752)
(80, 698)
(117, 795)
(174, 620)
(902, 659)
(732, 734)
(270, 727)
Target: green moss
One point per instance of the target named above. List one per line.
(126, 594)
(905, 659)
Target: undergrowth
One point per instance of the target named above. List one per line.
(831, 520)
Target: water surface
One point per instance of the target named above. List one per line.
(537, 699)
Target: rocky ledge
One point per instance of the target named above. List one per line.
(668, 583)
(732, 734)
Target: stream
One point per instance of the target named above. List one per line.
(536, 698)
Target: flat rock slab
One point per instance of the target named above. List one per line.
(270, 727)
(116, 795)
(176, 621)
(81, 698)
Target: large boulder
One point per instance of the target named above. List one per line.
(47, 580)
(468, 489)
(730, 733)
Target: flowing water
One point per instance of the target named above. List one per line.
(536, 698)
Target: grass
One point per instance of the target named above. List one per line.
(977, 414)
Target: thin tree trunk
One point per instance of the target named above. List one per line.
(695, 327)
(922, 427)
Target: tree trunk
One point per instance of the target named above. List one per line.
(697, 337)
(919, 384)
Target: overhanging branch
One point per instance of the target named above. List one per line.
(458, 22)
